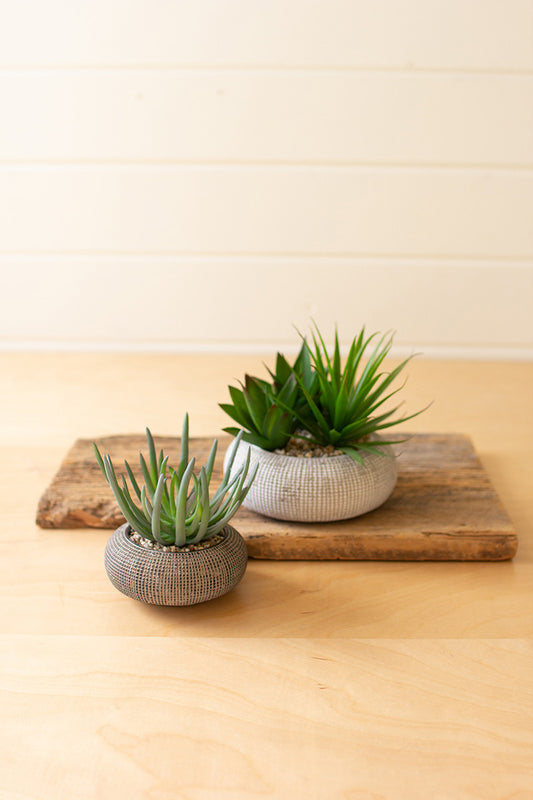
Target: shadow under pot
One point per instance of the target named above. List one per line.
(175, 578)
(322, 489)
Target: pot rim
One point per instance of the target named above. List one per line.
(125, 529)
(365, 454)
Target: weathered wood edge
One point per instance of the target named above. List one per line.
(484, 546)
(434, 545)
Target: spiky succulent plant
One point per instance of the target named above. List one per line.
(264, 422)
(342, 412)
(266, 410)
(328, 404)
(173, 505)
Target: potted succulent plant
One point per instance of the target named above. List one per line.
(176, 546)
(314, 431)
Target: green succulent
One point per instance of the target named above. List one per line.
(267, 411)
(257, 409)
(319, 399)
(342, 412)
(168, 509)
(302, 371)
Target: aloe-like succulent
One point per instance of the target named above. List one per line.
(173, 506)
(257, 408)
(342, 412)
(303, 373)
(320, 400)
(267, 411)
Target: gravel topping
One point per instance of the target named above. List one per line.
(173, 548)
(304, 448)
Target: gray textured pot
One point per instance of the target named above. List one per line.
(317, 489)
(167, 578)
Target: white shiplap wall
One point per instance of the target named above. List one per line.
(221, 169)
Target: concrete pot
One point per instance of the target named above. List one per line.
(320, 489)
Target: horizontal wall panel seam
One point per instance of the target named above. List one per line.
(260, 166)
(267, 68)
(150, 255)
(392, 165)
(393, 261)
(440, 352)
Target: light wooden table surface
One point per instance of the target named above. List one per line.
(358, 680)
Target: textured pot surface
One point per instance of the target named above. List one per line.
(317, 489)
(167, 578)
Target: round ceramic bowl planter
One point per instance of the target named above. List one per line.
(175, 578)
(320, 489)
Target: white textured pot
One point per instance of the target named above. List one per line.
(316, 489)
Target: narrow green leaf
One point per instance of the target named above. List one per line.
(341, 408)
(243, 418)
(193, 507)
(147, 508)
(211, 460)
(181, 502)
(256, 401)
(133, 481)
(99, 459)
(138, 521)
(336, 363)
(119, 496)
(204, 492)
(376, 447)
(150, 485)
(156, 510)
(319, 417)
(321, 356)
(184, 455)
(227, 472)
(354, 455)
(154, 472)
(232, 431)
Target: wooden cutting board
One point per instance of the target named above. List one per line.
(444, 507)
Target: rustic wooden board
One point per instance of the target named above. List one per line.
(444, 507)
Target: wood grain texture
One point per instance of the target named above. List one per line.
(54, 581)
(443, 508)
(334, 679)
(202, 719)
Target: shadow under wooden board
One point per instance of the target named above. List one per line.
(444, 507)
